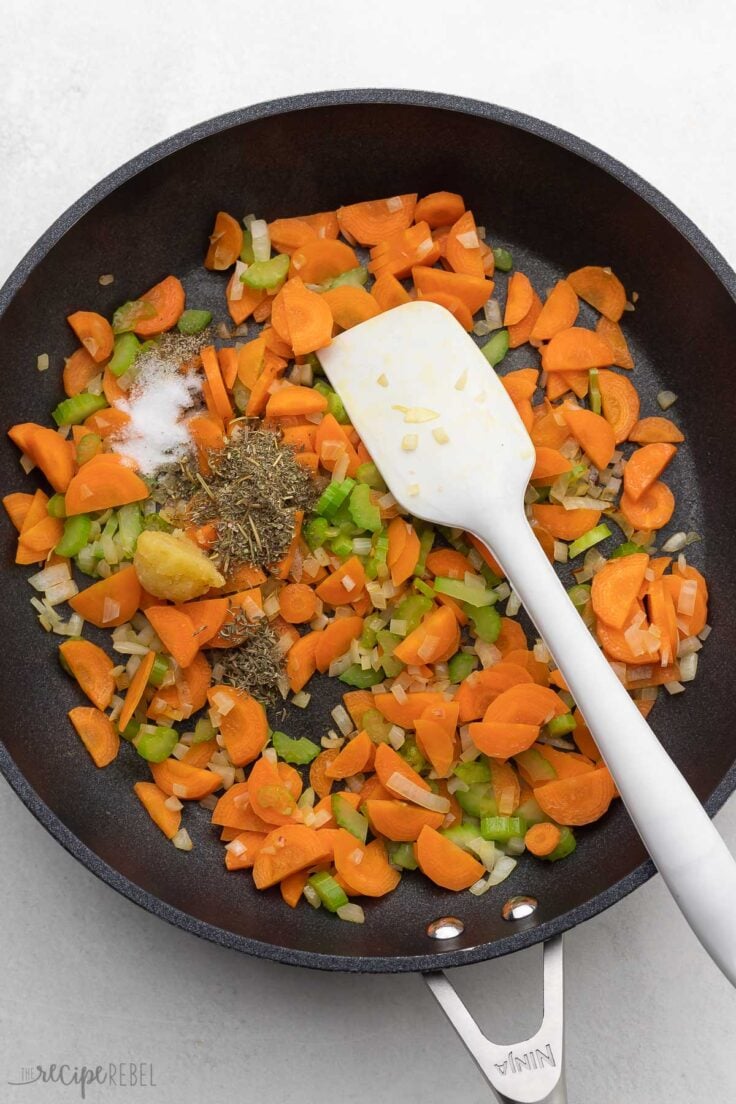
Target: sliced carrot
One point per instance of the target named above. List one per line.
(344, 585)
(559, 312)
(233, 810)
(440, 209)
(388, 762)
(111, 601)
(317, 261)
(242, 301)
(449, 563)
(389, 293)
(405, 713)
(335, 640)
(398, 821)
(593, 433)
(644, 468)
(200, 754)
(101, 484)
(111, 389)
(526, 703)
(693, 623)
(473, 291)
(520, 384)
(222, 405)
(350, 305)
(153, 801)
(181, 780)
(236, 602)
(403, 550)
(663, 616)
(357, 702)
(374, 220)
(431, 640)
(176, 632)
(243, 724)
(167, 298)
(249, 845)
(485, 554)
(463, 247)
(17, 506)
(519, 299)
(226, 242)
(547, 431)
(652, 510)
(96, 732)
(288, 234)
(615, 587)
(575, 350)
(270, 797)
(297, 603)
(295, 400)
(365, 869)
(250, 361)
(206, 616)
(549, 463)
(542, 839)
(653, 431)
(92, 668)
(307, 316)
(580, 799)
(620, 401)
(398, 254)
(510, 639)
(502, 739)
(355, 757)
(437, 743)
(565, 524)
(446, 864)
(616, 646)
(567, 764)
(331, 442)
(48, 451)
(94, 332)
(301, 661)
(614, 335)
(452, 303)
(522, 657)
(135, 691)
(292, 887)
(106, 422)
(79, 371)
(520, 332)
(189, 694)
(481, 688)
(601, 288)
(286, 850)
(582, 736)
(36, 541)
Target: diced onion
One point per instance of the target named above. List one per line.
(427, 648)
(312, 896)
(560, 552)
(503, 867)
(673, 687)
(488, 654)
(270, 754)
(261, 240)
(341, 717)
(236, 847)
(480, 887)
(386, 501)
(395, 203)
(687, 596)
(223, 702)
(666, 399)
(396, 737)
(400, 784)
(513, 605)
(182, 840)
(492, 314)
(352, 913)
(689, 667)
(675, 543)
(50, 576)
(485, 850)
(110, 610)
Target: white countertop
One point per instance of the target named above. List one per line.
(86, 976)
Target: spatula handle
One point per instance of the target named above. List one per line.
(684, 844)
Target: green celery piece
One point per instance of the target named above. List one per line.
(86, 561)
(426, 540)
(194, 321)
(56, 506)
(130, 731)
(130, 527)
(75, 410)
(503, 260)
(371, 568)
(360, 679)
(369, 473)
(349, 818)
(594, 536)
(536, 766)
(315, 532)
(501, 829)
(531, 811)
(463, 835)
(411, 754)
(486, 622)
(565, 847)
(75, 536)
(246, 252)
(460, 666)
(474, 772)
(402, 854)
(354, 277)
(264, 275)
(477, 597)
(335, 405)
(203, 730)
(628, 548)
(594, 391)
(364, 513)
(374, 724)
(388, 641)
(159, 670)
(130, 314)
(299, 752)
(333, 497)
(412, 609)
(126, 349)
(478, 800)
(496, 348)
(342, 546)
(579, 595)
(158, 745)
(331, 894)
(424, 589)
(88, 447)
(561, 725)
(380, 550)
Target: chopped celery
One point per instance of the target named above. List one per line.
(411, 754)
(594, 391)
(203, 730)
(349, 818)
(565, 847)
(246, 252)
(380, 550)
(472, 773)
(360, 679)
(75, 410)
(371, 568)
(157, 745)
(496, 349)
(463, 835)
(295, 751)
(560, 726)
(491, 578)
(628, 548)
(536, 766)
(412, 609)
(504, 262)
(368, 636)
(376, 726)
(130, 314)
(88, 447)
(354, 277)
(364, 513)
(130, 731)
(369, 473)
(501, 829)
(159, 671)
(126, 349)
(579, 595)
(194, 321)
(56, 506)
(86, 561)
(75, 536)
(424, 589)
(330, 893)
(402, 854)
(476, 596)
(478, 801)
(593, 536)
(426, 540)
(335, 405)
(156, 523)
(315, 532)
(531, 811)
(486, 622)
(333, 497)
(342, 546)
(130, 527)
(388, 641)
(460, 666)
(263, 275)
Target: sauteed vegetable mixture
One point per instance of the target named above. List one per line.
(208, 504)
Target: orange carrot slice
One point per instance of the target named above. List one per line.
(400, 822)
(593, 433)
(652, 510)
(519, 299)
(286, 850)
(444, 863)
(136, 690)
(110, 602)
(616, 586)
(440, 209)
(558, 313)
(226, 242)
(620, 401)
(565, 524)
(243, 723)
(96, 732)
(601, 288)
(576, 350)
(167, 298)
(653, 431)
(364, 868)
(614, 335)
(153, 801)
(644, 468)
(580, 799)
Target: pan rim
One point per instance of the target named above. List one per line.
(516, 940)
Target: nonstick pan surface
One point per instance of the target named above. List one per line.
(557, 203)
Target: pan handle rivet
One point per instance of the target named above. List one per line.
(446, 927)
(519, 908)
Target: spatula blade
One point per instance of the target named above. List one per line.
(416, 362)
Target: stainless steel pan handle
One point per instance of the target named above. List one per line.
(528, 1072)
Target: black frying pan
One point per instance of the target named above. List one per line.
(557, 203)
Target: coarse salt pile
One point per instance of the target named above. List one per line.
(157, 402)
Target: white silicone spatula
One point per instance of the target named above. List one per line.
(418, 356)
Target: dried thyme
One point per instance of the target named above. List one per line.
(256, 665)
